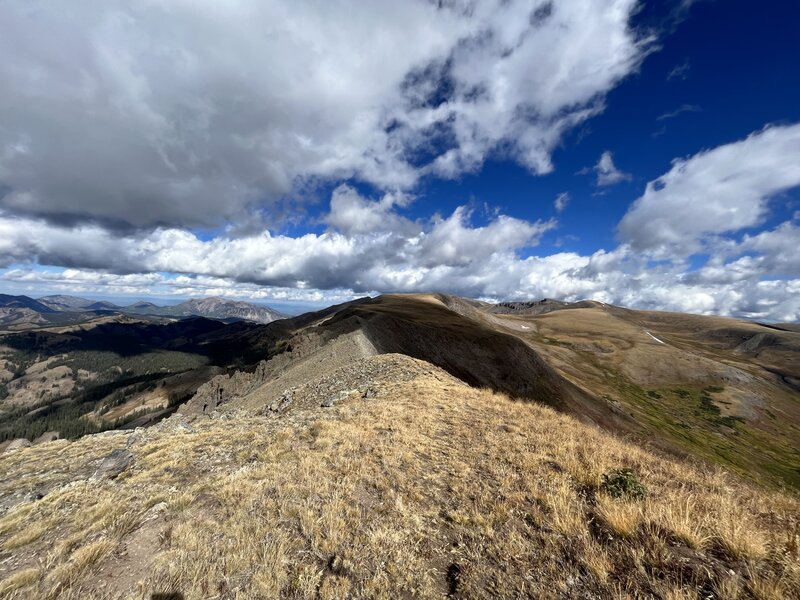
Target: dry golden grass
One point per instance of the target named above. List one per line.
(17, 581)
(597, 559)
(13, 520)
(66, 573)
(679, 513)
(621, 516)
(431, 488)
(29, 534)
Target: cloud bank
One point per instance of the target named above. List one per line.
(369, 246)
(193, 114)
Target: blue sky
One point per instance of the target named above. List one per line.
(730, 84)
(324, 151)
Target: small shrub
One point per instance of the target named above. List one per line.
(623, 483)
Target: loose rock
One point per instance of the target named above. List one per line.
(17, 445)
(114, 464)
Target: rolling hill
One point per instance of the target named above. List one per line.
(22, 312)
(74, 303)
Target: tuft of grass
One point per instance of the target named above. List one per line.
(81, 560)
(736, 532)
(335, 588)
(622, 517)
(272, 574)
(18, 581)
(568, 514)
(28, 535)
(125, 523)
(675, 592)
(13, 519)
(727, 588)
(682, 517)
(770, 587)
(306, 582)
(597, 560)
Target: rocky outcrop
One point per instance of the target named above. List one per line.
(536, 307)
(47, 436)
(363, 378)
(755, 343)
(224, 388)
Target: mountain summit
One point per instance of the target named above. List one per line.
(221, 308)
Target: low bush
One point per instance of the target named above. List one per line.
(623, 483)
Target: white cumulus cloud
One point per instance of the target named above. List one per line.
(140, 114)
(561, 201)
(714, 192)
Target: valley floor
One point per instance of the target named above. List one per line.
(425, 488)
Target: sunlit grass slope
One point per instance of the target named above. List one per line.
(427, 490)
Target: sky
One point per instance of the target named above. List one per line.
(641, 153)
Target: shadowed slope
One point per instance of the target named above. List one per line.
(458, 341)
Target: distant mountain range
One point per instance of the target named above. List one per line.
(23, 311)
(212, 308)
(24, 303)
(73, 303)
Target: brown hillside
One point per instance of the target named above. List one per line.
(424, 488)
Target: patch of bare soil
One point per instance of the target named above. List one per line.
(132, 560)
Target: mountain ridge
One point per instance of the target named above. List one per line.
(719, 388)
(213, 307)
(693, 385)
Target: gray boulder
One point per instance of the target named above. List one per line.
(18, 444)
(114, 464)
